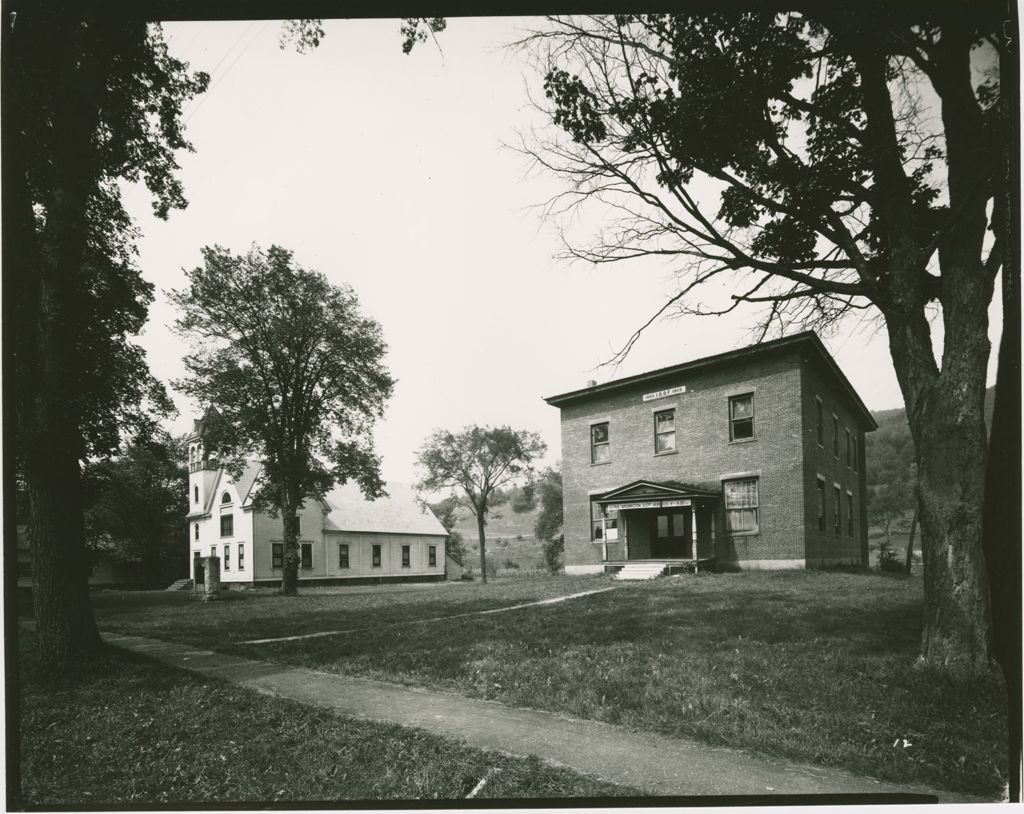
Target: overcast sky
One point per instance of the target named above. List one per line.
(387, 172)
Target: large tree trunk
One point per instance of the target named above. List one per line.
(290, 563)
(481, 522)
(45, 308)
(951, 463)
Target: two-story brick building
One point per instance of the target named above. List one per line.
(751, 459)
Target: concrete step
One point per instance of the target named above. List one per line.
(180, 585)
(641, 570)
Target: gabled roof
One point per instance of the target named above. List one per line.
(399, 513)
(808, 341)
(656, 490)
(247, 480)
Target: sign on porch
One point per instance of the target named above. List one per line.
(663, 393)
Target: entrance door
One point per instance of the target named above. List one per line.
(670, 535)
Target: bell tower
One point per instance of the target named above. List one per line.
(202, 467)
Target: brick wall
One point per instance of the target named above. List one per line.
(704, 455)
(828, 548)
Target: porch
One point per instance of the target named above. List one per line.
(647, 522)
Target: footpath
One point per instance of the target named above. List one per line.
(656, 764)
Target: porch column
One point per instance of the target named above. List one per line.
(624, 535)
(693, 536)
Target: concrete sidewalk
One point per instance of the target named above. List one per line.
(655, 764)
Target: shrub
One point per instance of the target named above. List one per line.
(510, 565)
(888, 560)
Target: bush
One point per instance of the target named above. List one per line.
(510, 565)
(553, 550)
(888, 560)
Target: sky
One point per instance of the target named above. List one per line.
(391, 173)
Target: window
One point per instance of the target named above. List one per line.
(741, 417)
(298, 526)
(741, 505)
(849, 449)
(227, 525)
(195, 532)
(837, 518)
(849, 514)
(602, 522)
(241, 556)
(821, 423)
(405, 556)
(376, 557)
(599, 448)
(835, 435)
(432, 556)
(665, 431)
(195, 493)
(307, 555)
(821, 504)
(855, 452)
(227, 558)
(225, 498)
(213, 551)
(277, 555)
(342, 555)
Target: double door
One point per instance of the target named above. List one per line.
(672, 534)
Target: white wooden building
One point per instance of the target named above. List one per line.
(342, 537)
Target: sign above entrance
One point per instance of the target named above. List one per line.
(672, 391)
(648, 504)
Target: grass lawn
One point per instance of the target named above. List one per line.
(130, 731)
(810, 666)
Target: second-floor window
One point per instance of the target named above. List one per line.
(599, 444)
(665, 431)
(849, 449)
(227, 525)
(741, 417)
(195, 533)
(195, 493)
(835, 436)
(821, 422)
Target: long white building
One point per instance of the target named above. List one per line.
(342, 537)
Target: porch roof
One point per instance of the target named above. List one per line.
(653, 491)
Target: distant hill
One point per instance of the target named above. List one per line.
(509, 537)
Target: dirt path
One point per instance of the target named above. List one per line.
(404, 623)
(654, 763)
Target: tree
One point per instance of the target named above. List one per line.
(786, 157)
(545, 493)
(96, 101)
(296, 374)
(446, 512)
(136, 504)
(473, 464)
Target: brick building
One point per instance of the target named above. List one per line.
(751, 459)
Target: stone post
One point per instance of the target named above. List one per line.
(211, 588)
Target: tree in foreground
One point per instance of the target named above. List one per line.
(97, 101)
(473, 464)
(136, 504)
(818, 164)
(296, 374)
